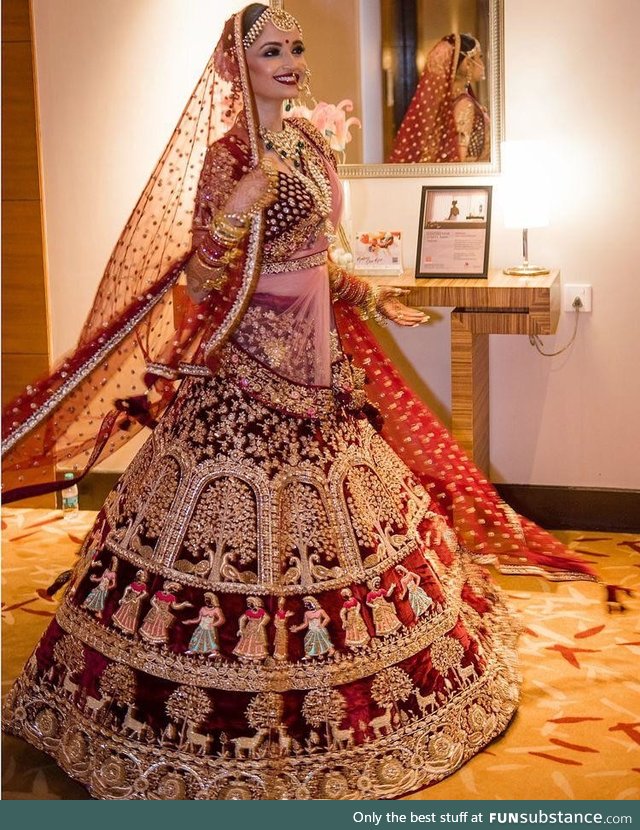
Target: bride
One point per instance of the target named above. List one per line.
(288, 467)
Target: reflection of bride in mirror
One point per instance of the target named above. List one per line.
(445, 122)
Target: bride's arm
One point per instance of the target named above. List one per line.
(380, 303)
(227, 196)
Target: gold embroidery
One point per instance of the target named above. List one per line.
(400, 757)
(277, 676)
(299, 264)
(222, 531)
(307, 538)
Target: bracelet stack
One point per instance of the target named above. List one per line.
(356, 292)
(227, 233)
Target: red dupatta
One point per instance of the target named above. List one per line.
(484, 524)
(99, 396)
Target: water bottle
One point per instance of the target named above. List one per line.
(70, 504)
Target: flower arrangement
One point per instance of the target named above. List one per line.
(331, 120)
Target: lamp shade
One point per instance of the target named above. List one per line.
(525, 184)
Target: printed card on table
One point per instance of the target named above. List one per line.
(378, 253)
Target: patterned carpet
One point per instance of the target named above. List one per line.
(577, 734)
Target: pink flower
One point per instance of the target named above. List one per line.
(331, 120)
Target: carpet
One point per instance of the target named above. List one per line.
(576, 735)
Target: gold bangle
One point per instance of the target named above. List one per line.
(242, 218)
(226, 233)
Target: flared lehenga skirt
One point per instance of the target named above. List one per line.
(258, 497)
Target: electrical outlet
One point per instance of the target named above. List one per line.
(573, 292)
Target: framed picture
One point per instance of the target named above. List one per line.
(453, 236)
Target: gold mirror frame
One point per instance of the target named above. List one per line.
(496, 99)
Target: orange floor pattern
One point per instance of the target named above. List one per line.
(577, 733)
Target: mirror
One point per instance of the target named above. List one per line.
(429, 98)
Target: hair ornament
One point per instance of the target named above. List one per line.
(282, 20)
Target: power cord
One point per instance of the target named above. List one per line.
(535, 340)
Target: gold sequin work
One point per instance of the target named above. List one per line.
(275, 534)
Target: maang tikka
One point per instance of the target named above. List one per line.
(281, 19)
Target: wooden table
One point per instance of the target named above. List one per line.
(497, 305)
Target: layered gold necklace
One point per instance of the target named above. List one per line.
(304, 165)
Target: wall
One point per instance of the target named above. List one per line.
(113, 76)
(572, 419)
(25, 347)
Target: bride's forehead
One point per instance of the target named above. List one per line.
(271, 34)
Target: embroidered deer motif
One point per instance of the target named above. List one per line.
(383, 724)
(248, 745)
(133, 725)
(69, 686)
(94, 705)
(197, 741)
(341, 738)
(467, 674)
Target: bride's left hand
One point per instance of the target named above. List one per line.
(393, 309)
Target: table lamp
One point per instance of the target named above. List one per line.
(526, 196)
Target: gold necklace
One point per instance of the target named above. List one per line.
(304, 166)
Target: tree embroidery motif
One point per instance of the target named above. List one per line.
(391, 686)
(410, 495)
(322, 707)
(224, 529)
(306, 536)
(154, 513)
(189, 705)
(376, 518)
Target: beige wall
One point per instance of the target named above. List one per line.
(113, 76)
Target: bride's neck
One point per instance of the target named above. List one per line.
(459, 87)
(270, 115)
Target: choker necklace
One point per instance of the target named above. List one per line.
(305, 165)
(289, 146)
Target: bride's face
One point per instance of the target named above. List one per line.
(276, 62)
(475, 67)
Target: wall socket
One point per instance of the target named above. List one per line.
(573, 291)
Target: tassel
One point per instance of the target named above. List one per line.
(59, 582)
(614, 603)
(374, 416)
(137, 408)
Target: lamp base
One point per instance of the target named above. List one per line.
(526, 271)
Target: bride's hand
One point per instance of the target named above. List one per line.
(253, 192)
(393, 309)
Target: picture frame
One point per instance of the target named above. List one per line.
(454, 231)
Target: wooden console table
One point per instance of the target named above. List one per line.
(497, 305)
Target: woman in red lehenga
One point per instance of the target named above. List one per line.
(271, 478)
(445, 123)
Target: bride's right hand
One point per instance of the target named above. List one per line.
(255, 189)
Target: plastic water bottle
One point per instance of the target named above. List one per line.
(70, 503)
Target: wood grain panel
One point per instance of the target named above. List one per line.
(25, 342)
(516, 306)
(20, 369)
(470, 389)
(24, 310)
(499, 304)
(20, 178)
(15, 20)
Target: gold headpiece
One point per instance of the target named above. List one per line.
(474, 50)
(281, 19)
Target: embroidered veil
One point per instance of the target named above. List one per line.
(101, 394)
